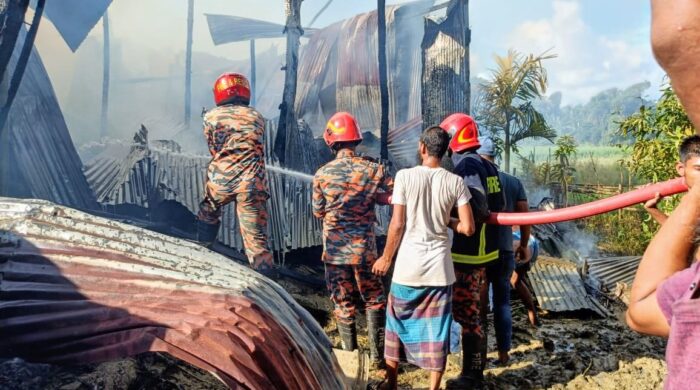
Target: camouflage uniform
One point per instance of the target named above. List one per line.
(344, 196)
(466, 299)
(236, 173)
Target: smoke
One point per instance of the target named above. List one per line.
(584, 245)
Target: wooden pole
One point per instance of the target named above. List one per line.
(383, 79)
(188, 63)
(287, 121)
(104, 122)
(252, 73)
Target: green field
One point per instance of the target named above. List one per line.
(603, 155)
(594, 164)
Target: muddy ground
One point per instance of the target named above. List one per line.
(572, 351)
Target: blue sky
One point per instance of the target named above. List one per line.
(600, 43)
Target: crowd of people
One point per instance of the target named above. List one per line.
(443, 256)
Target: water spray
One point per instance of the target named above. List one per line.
(290, 172)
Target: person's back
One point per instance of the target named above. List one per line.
(235, 135)
(236, 173)
(429, 194)
(419, 308)
(349, 186)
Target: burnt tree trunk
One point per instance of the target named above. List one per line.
(383, 79)
(445, 76)
(104, 117)
(287, 122)
(188, 63)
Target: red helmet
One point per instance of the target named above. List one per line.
(464, 132)
(342, 127)
(230, 86)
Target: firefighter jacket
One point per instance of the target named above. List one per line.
(482, 247)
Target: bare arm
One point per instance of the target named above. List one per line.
(651, 207)
(396, 229)
(465, 224)
(666, 254)
(522, 252)
(675, 32)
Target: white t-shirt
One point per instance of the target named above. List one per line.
(429, 195)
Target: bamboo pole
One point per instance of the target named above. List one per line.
(188, 63)
(105, 76)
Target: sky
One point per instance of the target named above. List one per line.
(599, 44)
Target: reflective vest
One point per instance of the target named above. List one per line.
(481, 247)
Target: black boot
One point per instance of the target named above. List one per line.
(376, 319)
(207, 232)
(348, 336)
(473, 363)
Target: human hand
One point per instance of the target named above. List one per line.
(381, 266)
(653, 202)
(522, 254)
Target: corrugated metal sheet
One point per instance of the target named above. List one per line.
(148, 175)
(228, 28)
(559, 287)
(445, 77)
(43, 161)
(608, 271)
(76, 288)
(338, 68)
(74, 19)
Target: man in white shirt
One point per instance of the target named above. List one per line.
(419, 308)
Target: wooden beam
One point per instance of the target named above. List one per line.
(104, 117)
(253, 78)
(188, 63)
(383, 80)
(287, 121)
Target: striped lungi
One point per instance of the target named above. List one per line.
(418, 321)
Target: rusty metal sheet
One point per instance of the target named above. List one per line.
(75, 288)
(329, 83)
(559, 287)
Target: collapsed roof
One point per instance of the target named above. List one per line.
(146, 174)
(43, 161)
(80, 289)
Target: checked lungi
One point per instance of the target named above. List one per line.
(418, 322)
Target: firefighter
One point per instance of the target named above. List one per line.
(344, 195)
(472, 254)
(234, 132)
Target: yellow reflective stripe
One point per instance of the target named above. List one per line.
(482, 240)
(467, 259)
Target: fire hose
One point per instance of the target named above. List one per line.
(666, 188)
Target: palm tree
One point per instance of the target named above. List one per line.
(508, 96)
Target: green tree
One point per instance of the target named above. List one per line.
(507, 101)
(657, 132)
(563, 170)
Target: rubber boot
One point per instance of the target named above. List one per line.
(348, 336)
(376, 319)
(473, 364)
(207, 232)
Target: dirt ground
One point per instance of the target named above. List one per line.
(573, 351)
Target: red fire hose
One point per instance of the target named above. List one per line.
(670, 187)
